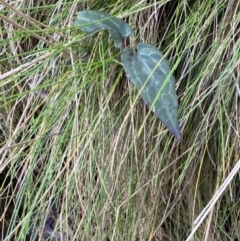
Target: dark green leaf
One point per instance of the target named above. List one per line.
(91, 21)
(150, 73)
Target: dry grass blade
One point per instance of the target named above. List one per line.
(198, 221)
(24, 67)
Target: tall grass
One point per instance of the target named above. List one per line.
(78, 145)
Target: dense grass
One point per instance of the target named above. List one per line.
(77, 143)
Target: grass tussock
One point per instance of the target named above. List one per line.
(80, 156)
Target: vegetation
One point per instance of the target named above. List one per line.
(83, 158)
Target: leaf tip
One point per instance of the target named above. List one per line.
(177, 134)
(179, 138)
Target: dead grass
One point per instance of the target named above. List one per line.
(76, 160)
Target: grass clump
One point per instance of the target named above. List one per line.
(76, 160)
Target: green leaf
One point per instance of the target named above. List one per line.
(90, 21)
(150, 73)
